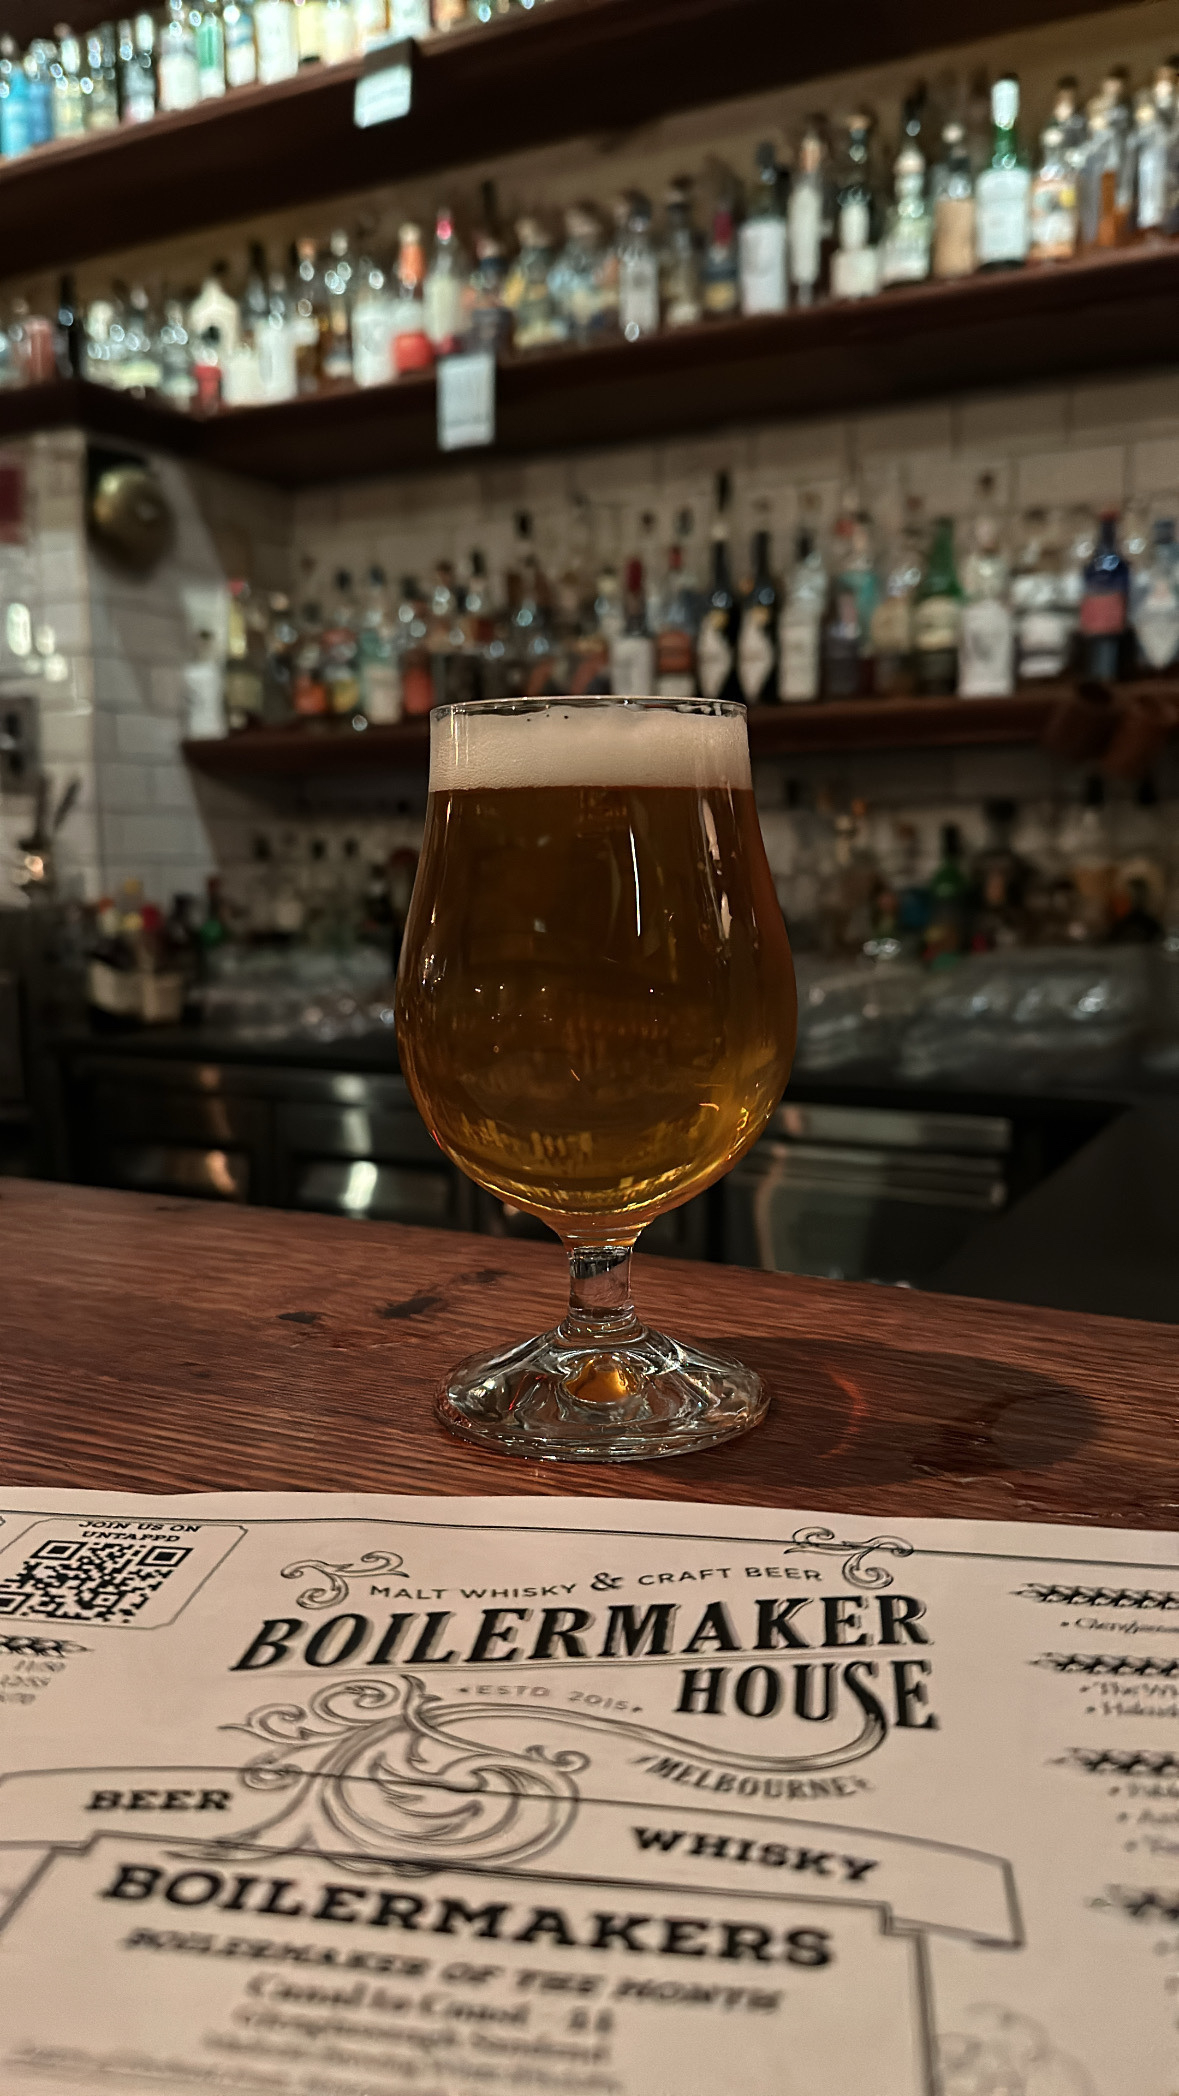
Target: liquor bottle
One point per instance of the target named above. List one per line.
(309, 319)
(39, 62)
(488, 319)
(953, 252)
(278, 672)
(762, 246)
(1071, 119)
(535, 320)
(377, 665)
(210, 38)
(757, 644)
(1085, 842)
(719, 274)
(576, 279)
(372, 327)
(1154, 128)
(311, 31)
(638, 272)
(905, 249)
(632, 653)
(892, 620)
(442, 293)
(141, 371)
(1139, 896)
(936, 617)
(411, 344)
(842, 645)
(1052, 209)
(174, 355)
(1044, 618)
(720, 628)
(242, 379)
(178, 72)
(1154, 599)
(69, 111)
(1104, 603)
(100, 81)
(800, 626)
(986, 645)
(214, 308)
(807, 216)
(339, 646)
(276, 36)
(676, 626)
(241, 56)
(1002, 188)
(679, 265)
(854, 568)
(1106, 192)
(137, 69)
(409, 18)
(309, 699)
(208, 367)
(855, 263)
(341, 32)
(275, 344)
(1000, 881)
(528, 640)
(335, 363)
(242, 675)
(949, 901)
(14, 102)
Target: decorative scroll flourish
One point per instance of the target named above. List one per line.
(1121, 1664)
(1063, 1596)
(38, 1647)
(1000, 2050)
(1140, 1902)
(1120, 1761)
(337, 1576)
(378, 1774)
(854, 1569)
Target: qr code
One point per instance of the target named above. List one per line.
(106, 1580)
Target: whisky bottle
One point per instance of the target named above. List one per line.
(177, 68)
(335, 362)
(905, 249)
(632, 653)
(937, 617)
(577, 277)
(137, 69)
(801, 624)
(718, 269)
(855, 263)
(952, 195)
(764, 272)
(411, 344)
(1002, 189)
(676, 623)
(1052, 211)
(310, 315)
(757, 644)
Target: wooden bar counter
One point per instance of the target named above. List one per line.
(158, 1345)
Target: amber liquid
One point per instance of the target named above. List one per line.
(596, 1008)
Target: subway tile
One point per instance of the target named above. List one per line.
(66, 737)
(909, 429)
(171, 787)
(1124, 408)
(1005, 423)
(1154, 467)
(123, 789)
(167, 690)
(1096, 476)
(119, 683)
(145, 736)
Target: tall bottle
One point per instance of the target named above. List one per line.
(1155, 600)
(210, 38)
(679, 272)
(763, 262)
(807, 217)
(241, 53)
(986, 648)
(1105, 603)
(1154, 136)
(905, 250)
(937, 616)
(632, 653)
(276, 35)
(892, 620)
(336, 341)
(720, 267)
(442, 295)
(412, 350)
(1045, 620)
(100, 81)
(14, 102)
(309, 320)
(801, 623)
(69, 109)
(720, 629)
(178, 71)
(40, 59)
(638, 272)
(855, 261)
(676, 625)
(953, 252)
(1002, 190)
(372, 327)
(137, 69)
(757, 645)
(1052, 211)
(380, 681)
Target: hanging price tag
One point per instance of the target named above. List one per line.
(466, 401)
(384, 90)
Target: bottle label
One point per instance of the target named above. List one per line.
(891, 626)
(715, 656)
(638, 296)
(763, 266)
(381, 693)
(985, 657)
(1001, 214)
(340, 40)
(241, 61)
(275, 347)
(935, 623)
(632, 665)
(410, 18)
(854, 225)
(278, 42)
(855, 272)
(755, 652)
(806, 234)
(1053, 222)
(675, 658)
(180, 80)
(798, 668)
(1044, 643)
(372, 344)
(905, 254)
(1103, 612)
(953, 237)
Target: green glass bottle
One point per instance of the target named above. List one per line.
(937, 616)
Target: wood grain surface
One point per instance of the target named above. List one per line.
(162, 1345)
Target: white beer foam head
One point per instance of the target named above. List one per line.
(608, 745)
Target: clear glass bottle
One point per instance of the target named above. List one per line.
(275, 342)
(638, 272)
(174, 356)
(1045, 620)
(412, 350)
(808, 216)
(720, 627)
(177, 69)
(679, 263)
(1002, 189)
(632, 652)
(1154, 601)
(757, 643)
(801, 623)
(1154, 130)
(377, 663)
(442, 294)
(1105, 203)
(336, 341)
(309, 320)
(576, 278)
(986, 644)
(488, 319)
(241, 56)
(1052, 211)
(372, 327)
(100, 81)
(69, 106)
(855, 261)
(892, 620)
(276, 37)
(677, 623)
(211, 50)
(719, 272)
(905, 249)
(137, 69)
(764, 272)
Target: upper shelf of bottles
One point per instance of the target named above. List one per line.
(526, 79)
(1104, 311)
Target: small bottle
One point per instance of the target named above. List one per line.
(1052, 211)
(377, 664)
(211, 51)
(680, 284)
(442, 293)
(905, 250)
(632, 652)
(638, 272)
(412, 349)
(335, 361)
(69, 109)
(720, 628)
(855, 263)
(1106, 191)
(762, 247)
(137, 69)
(178, 71)
(757, 644)
(1002, 189)
(1154, 133)
(949, 901)
(937, 615)
(241, 56)
(806, 216)
(278, 377)
(537, 324)
(276, 37)
(800, 626)
(719, 269)
(953, 207)
(1155, 601)
(1105, 603)
(309, 319)
(14, 102)
(577, 278)
(100, 81)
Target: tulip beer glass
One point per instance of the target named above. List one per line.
(596, 1016)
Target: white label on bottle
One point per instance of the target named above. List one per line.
(276, 360)
(442, 307)
(1005, 102)
(180, 80)
(380, 688)
(410, 18)
(763, 266)
(638, 295)
(854, 225)
(1152, 183)
(755, 651)
(904, 257)
(806, 234)
(372, 343)
(340, 38)
(632, 666)
(855, 272)
(241, 59)
(935, 624)
(985, 650)
(714, 657)
(1001, 214)
(466, 400)
(1156, 622)
(798, 668)
(1052, 225)
(278, 40)
(1044, 636)
(383, 96)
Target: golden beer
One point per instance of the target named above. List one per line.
(596, 1015)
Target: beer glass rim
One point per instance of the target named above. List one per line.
(728, 709)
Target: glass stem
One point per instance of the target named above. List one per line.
(600, 1312)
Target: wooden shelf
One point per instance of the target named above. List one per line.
(566, 69)
(828, 728)
(1100, 313)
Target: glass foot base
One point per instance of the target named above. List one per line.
(611, 1403)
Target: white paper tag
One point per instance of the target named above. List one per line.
(384, 93)
(466, 401)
